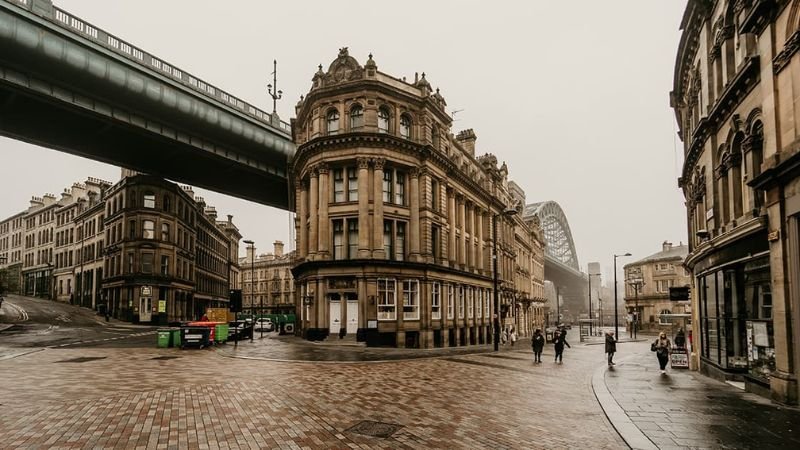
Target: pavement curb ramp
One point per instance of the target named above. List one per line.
(627, 430)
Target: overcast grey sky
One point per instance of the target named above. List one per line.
(572, 95)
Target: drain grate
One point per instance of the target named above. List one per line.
(82, 359)
(375, 429)
(164, 358)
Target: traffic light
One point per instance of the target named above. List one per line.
(235, 300)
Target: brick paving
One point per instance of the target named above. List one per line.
(685, 410)
(124, 398)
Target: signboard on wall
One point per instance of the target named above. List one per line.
(162, 306)
(146, 291)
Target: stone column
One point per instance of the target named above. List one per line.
(324, 196)
(462, 241)
(413, 232)
(363, 209)
(479, 226)
(451, 222)
(471, 242)
(313, 207)
(302, 212)
(378, 251)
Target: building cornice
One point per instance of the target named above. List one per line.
(707, 248)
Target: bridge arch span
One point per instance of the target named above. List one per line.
(558, 237)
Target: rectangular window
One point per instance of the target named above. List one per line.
(387, 185)
(387, 238)
(400, 188)
(352, 238)
(338, 185)
(470, 304)
(148, 229)
(147, 263)
(386, 299)
(338, 240)
(149, 201)
(130, 262)
(411, 300)
(132, 229)
(436, 301)
(450, 302)
(486, 304)
(435, 244)
(165, 232)
(461, 302)
(435, 195)
(400, 241)
(478, 303)
(164, 265)
(352, 184)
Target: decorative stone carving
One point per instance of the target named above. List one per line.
(379, 163)
(789, 49)
(322, 168)
(363, 163)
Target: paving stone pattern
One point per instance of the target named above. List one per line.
(687, 410)
(203, 400)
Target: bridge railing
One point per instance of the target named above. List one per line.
(74, 24)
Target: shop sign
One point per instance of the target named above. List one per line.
(162, 306)
(679, 359)
(146, 291)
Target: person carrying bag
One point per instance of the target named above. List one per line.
(663, 347)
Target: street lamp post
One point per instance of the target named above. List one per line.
(252, 247)
(508, 212)
(616, 313)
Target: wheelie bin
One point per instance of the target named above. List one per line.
(195, 337)
(221, 333)
(164, 338)
(176, 336)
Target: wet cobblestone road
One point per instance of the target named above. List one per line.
(125, 398)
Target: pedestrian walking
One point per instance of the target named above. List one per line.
(504, 337)
(559, 341)
(537, 343)
(663, 347)
(611, 347)
(680, 339)
(513, 336)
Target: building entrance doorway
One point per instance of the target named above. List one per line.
(145, 308)
(334, 314)
(352, 314)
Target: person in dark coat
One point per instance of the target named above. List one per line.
(611, 347)
(537, 343)
(663, 347)
(680, 339)
(559, 341)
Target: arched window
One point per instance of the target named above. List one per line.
(332, 120)
(735, 167)
(755, 145)
(723, 192)
(435, 138)
(356, 117)
(166, 204)
(405, 126)
(383, 120)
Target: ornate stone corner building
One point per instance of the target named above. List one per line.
(394, 214)
(736, 102)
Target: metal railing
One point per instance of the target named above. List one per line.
(148, 61)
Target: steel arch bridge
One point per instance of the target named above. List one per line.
(558, 237)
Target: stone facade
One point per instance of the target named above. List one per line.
(647, 283)
(396, 215)
(736, 103)
(132, 247)
(266, 281)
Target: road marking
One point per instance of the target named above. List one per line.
(22, 315)
(93, 341)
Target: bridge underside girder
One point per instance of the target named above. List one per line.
(571, 286)
(39, 120)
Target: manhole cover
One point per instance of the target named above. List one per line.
(164, 358)
(82, 359)
(375, 429)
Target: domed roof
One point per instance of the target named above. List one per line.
(343, 62)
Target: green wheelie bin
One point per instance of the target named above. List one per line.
(164, 338)
(221, 333)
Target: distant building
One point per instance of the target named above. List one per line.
(647, 283)
(266, 281)
(144, 248)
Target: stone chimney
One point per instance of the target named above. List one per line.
(666, 246)
(278, 249)
(251, 250)
(49, 199)
(230, 219)
(467, 139)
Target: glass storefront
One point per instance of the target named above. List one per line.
(736, 318)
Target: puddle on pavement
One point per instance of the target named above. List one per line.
(82, 359)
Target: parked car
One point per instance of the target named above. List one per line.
(242, 329)
(264, 324)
